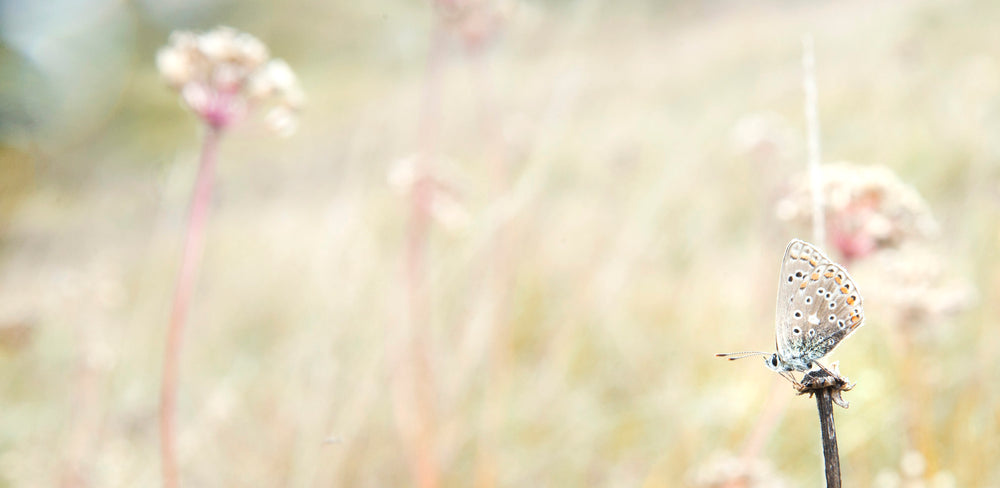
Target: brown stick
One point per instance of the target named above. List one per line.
(193, 242)
(831, 455)
(827, 389)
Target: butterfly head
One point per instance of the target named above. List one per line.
(775, 363)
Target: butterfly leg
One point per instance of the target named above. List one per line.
(790, 377)
(824, 368)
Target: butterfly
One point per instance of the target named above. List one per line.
(818, 306)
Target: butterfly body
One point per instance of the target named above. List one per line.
(818, 306)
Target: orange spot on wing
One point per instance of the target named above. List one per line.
(815, 276)
(828, 275)
(803, 285)
(838, 280)
(855, 318)
(812, 261)
(850, 301)
(843, 289)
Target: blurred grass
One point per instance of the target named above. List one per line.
(642, 242)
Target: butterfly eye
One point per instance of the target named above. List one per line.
(774, 361)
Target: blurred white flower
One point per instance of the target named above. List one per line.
(449, 212)
(403, 175)
(725, 470)
(442, 203)
(282, 120)
(912, 465)
(911, 474)
(763, 135)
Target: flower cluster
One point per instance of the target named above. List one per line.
(223, 73)
(867, 208)
(762, 136)
(915, 284)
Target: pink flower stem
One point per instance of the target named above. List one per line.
(414, 388)
(497, 383)
(193, 244)
(420, 397)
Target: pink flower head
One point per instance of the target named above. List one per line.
(867, 208)
(223, 73)
(477, 23)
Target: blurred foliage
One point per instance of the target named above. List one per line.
(639, 228)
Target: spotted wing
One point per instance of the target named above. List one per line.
(818, 305)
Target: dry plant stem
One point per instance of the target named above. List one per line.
(190, 257)
(419, 387)
(812, 128)
(827, 387)
(831, 455)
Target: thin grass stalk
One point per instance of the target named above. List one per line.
(813, 139)
(190, 261)
(772, 412)
(824, 396)
(85, 416)
(487, 462)
(770, 415)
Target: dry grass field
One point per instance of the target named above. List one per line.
(613, 187)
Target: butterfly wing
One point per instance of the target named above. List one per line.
(818, 305)
(840, 315)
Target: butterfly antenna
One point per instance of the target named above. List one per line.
(733, 356)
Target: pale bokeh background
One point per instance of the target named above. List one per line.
(645, 148)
